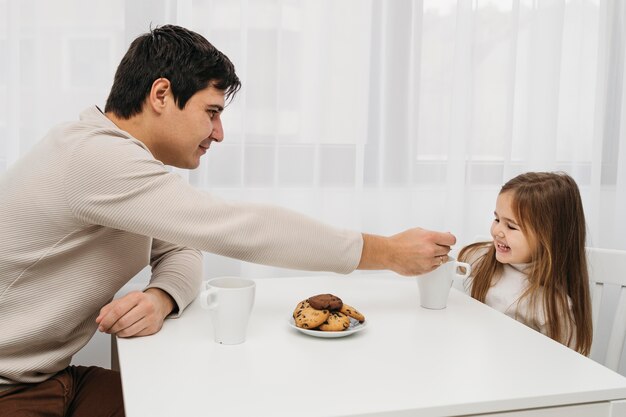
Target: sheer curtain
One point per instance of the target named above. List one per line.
(373, 115)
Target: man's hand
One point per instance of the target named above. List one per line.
(136, 314)
(412, 252)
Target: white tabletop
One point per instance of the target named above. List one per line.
(466, 359)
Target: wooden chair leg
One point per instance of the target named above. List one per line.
(115, 363)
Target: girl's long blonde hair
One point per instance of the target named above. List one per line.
(550, 214)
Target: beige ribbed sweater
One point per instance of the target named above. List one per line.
(88, 207)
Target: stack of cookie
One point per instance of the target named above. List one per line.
(325, 312)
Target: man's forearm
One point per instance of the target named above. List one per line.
(374, 253)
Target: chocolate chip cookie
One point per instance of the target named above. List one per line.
(336, 322)
(301, 306)
(310, 318)
(352, 312)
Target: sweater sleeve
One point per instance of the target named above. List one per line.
(115, 182)
(176, 270)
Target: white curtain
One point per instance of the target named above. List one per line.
(372, 115)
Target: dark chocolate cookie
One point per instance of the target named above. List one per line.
(325, 302)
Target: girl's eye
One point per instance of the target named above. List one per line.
(496, 220)
(512, 227)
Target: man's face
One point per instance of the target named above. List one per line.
(185, 135)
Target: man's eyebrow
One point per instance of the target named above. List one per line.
(216, 107)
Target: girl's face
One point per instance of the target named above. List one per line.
(511, 244)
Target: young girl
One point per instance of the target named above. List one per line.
(535, 269)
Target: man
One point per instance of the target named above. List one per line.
(93, 203)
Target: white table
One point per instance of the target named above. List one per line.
(408, 361)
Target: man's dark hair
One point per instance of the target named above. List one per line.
(184, 57)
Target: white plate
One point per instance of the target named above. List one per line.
(354, 327)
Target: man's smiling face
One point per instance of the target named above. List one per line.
(187, 134)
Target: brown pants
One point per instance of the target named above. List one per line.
(76, 391)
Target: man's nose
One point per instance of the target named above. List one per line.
(218, 132)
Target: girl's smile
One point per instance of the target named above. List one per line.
(501, 247)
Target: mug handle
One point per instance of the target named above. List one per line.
(204, 297)
(468, 269)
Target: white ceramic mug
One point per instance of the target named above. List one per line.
(230, 300)
(435, 286)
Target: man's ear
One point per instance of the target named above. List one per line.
(160, 95)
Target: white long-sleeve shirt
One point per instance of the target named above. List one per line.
(505, 292)
(88, 207)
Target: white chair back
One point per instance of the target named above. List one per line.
(608, 266)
